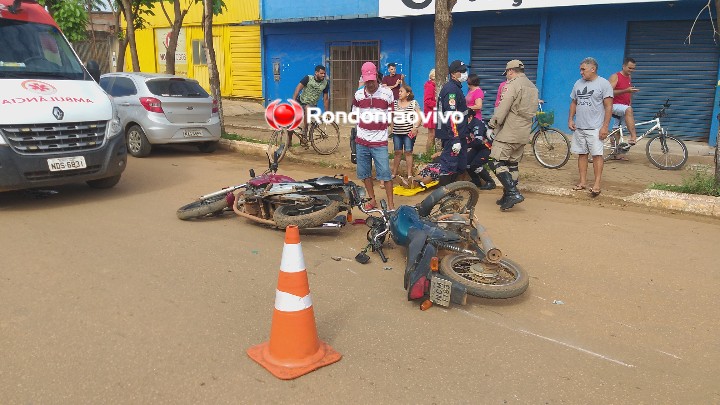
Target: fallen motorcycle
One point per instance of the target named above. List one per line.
(278, 200)
(449, 253)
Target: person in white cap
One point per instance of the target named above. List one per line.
(373, 105)
(511, 123)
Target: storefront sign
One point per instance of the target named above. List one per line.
(162, 39)
(398, 8)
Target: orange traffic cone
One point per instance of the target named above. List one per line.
(294, 348)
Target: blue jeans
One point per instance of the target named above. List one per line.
(366, 155)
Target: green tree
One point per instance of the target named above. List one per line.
(211, 9)
(71, 16)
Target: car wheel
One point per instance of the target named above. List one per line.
(137, 143)
(208, 147)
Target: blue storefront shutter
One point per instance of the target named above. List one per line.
(493, 47)
(670, 66)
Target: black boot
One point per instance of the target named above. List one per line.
(511, 195)
(489, 183)
(474, 178)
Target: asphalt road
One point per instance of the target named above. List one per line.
(106, 297)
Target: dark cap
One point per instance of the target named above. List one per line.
(458, 66)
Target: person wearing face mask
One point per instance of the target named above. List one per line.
(453, 158)
(511, 123)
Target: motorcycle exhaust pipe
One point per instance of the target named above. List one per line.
(492, 254)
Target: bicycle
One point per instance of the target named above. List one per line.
(323, 137)
(664, 151)
(550, 146)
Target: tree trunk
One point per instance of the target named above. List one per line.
(130, 34)
(717, 139)
(122, 47)
(443, 25)
(212, 62)
(174, 34)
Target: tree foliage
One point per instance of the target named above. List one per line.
(71, 16)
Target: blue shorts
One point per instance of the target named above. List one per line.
(401, 142)
(366, 155)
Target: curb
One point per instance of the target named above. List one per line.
(669, 200)
(696, 204)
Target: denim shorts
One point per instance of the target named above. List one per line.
(401, 142)
(366, 155)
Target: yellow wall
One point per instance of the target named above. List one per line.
(237, 47)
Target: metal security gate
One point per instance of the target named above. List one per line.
(493, 47)
(669, 67)
(345, 59)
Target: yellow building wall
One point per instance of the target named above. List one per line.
(237, 47)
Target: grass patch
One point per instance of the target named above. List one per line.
(700, 183)
(235, 137)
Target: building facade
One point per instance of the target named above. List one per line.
(550, 36)
(236, 39)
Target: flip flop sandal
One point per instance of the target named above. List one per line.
(594, 193)
(579, 188)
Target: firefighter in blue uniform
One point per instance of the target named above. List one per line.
(453, 159)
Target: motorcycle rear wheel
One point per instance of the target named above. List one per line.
(305, 216)
(481, 280)
(459, 197)
(201, 208)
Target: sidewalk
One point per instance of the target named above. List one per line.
(623, 181)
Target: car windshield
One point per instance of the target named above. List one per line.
(176, 87)
(37, 51)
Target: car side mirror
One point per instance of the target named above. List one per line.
(94, 69)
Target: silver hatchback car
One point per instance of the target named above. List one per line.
(159, 108)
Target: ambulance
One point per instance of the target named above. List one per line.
(57, 125)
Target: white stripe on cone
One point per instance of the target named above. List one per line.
(292, 258)
(291, 303)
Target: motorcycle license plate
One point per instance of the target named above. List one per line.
(67, 163)
(440, 290)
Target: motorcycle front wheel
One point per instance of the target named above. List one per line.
(459, 197)
(504, 280)
(305, 216)
(203, 207)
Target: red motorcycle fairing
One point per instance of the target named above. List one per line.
(266, 179)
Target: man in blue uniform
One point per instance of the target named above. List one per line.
(453, 159)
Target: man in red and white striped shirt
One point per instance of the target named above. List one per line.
(373, 106)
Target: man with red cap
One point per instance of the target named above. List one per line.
(373, 106)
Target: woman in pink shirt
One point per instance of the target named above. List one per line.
(501, 87)
(475, 95)
(429, 102)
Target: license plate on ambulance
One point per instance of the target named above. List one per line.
(193, 133)
(67, 163)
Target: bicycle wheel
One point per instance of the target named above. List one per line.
(278, 144)
(324, 138)
(610, 146)
(551, 148)
(666, 152)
